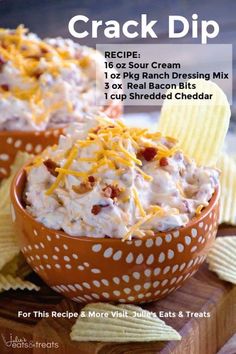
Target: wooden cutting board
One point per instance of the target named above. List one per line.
(202, 293)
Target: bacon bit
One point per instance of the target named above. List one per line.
(44, 51)
(111, 191)
(37, 74)
(5, 87)
(164, 162)
(96, 130)
(35, 57)
(96, 209)
(148, 153)
(91, 179)
(139, 155)
(85, 187)
(3, 45)
(107, 192)
(51, 167)
(2, 62)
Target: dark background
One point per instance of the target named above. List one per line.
(51, 17)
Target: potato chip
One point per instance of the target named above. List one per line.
(200, 126)
(222, 258)
(130, 309)
(20, 160)
(118, 324)
(228, 189)
(17, 267)
(23, 269)
(12, 263)
(8, 282)
(9, 247)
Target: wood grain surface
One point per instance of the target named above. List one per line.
(229, 347)
(202, 293)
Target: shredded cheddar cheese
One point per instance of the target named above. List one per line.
(122, 188)
(129, 155)
(111, 140)
(145, 176)
(155, 208)
(137, 202)
(180, 189)
(116, 148)
(71, 172)
(199, 209)
(72, 155)
(122, 184)
(136, 227)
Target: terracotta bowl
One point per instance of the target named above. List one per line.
(33, 141)
(88, 269)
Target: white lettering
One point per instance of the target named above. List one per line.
(71, 26)
(212, 34)
(146, 27)
(113, 31)
(172, 22)
(126, 31)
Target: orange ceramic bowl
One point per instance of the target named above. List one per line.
(32, 142)
(88, 269)
(35, 141)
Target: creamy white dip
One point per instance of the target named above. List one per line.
(105, 179)
(46, 83)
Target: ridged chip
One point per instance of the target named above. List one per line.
(199, 125)
(222, 258)
(228, 189)
(8, 282)
(12, 263)
(120, 325)
(9, 247)
(20, 160)
(17, 267)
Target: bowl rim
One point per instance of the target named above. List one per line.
(20, 133)
(18, 205)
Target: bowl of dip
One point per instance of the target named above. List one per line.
(115, 213)
(45, 85)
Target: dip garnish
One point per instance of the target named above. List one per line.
(117, 181)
